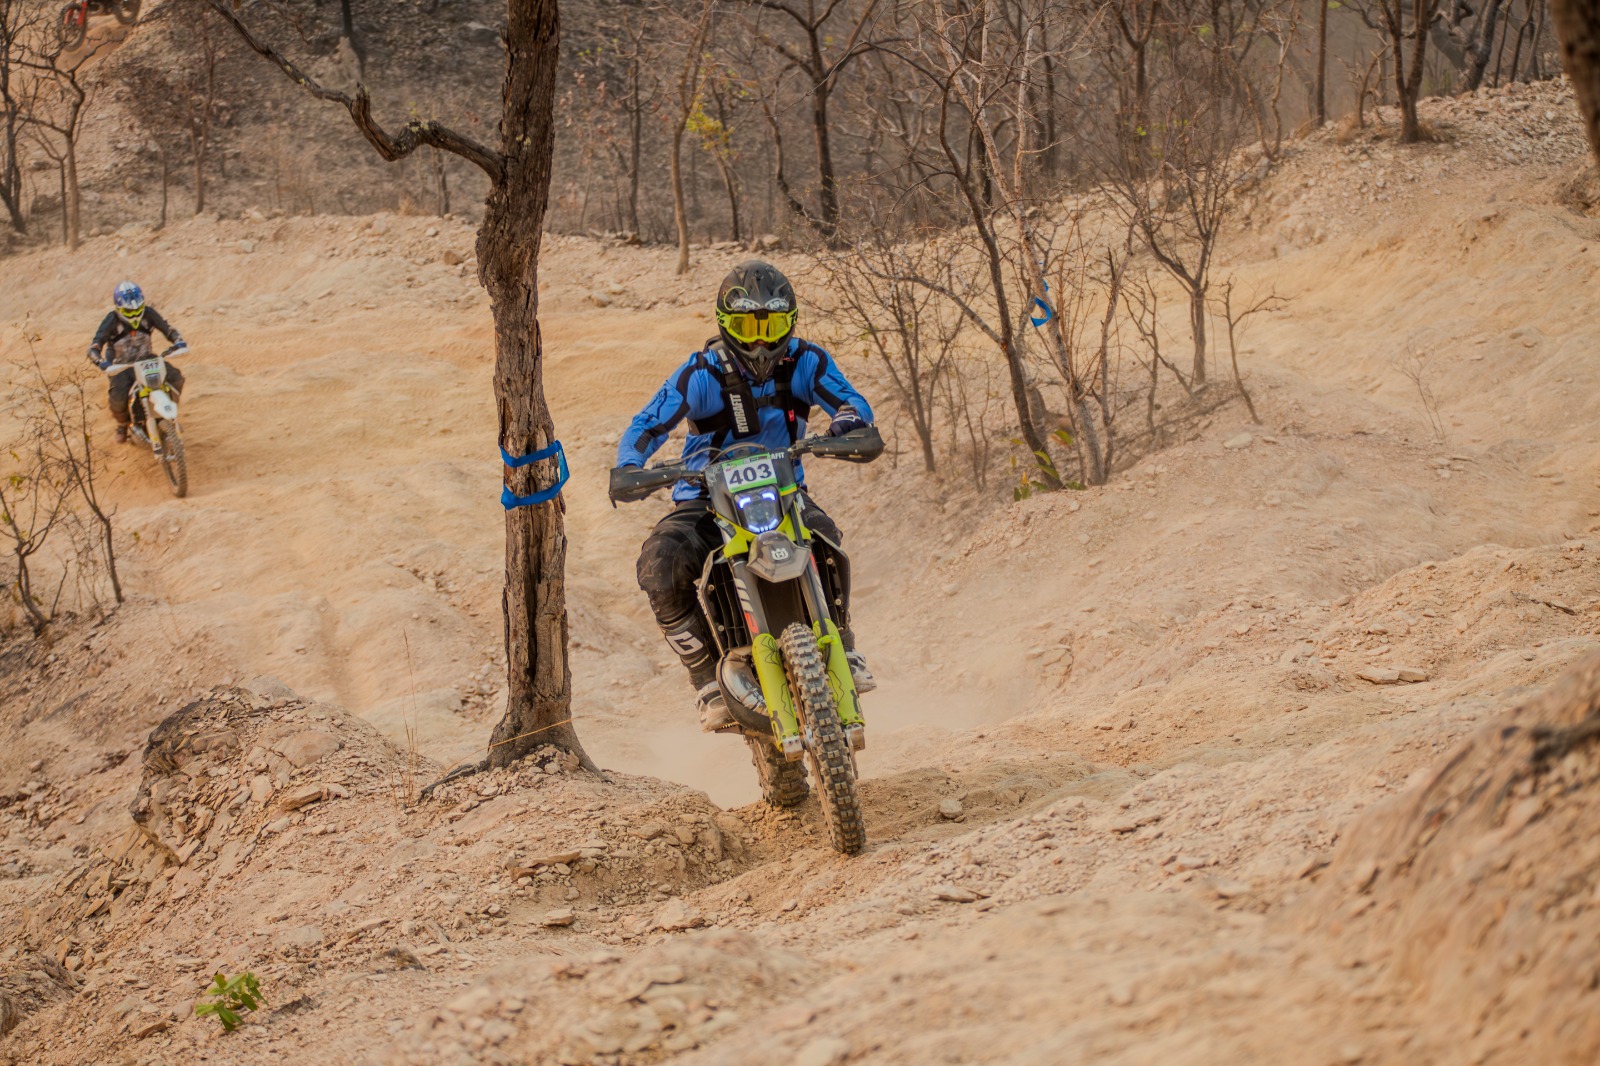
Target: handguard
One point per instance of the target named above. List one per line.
(858, 446)
(630, 483)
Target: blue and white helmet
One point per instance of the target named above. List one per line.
(129, 299)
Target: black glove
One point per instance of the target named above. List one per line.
(845, 421)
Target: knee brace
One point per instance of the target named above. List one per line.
(689, 636)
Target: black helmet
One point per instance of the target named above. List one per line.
(755, 315)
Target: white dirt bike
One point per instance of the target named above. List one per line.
(153, 415)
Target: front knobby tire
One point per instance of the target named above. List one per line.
(832, 765)
(127, 11)
(783, 783)
(72, 28)
(173, 462)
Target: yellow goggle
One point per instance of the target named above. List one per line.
(133, 316)
(759, 325)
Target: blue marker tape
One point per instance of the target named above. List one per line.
(510, 500)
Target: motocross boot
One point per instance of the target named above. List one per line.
(690, 637)
(714, 713)
(859, 673)
(121, 435)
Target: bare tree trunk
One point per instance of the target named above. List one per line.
(827, 185)
(441, 182)
(11, 174)
(1516, 52)
(539, 697)
(680, 216)
(1321, 110)
(1478, 56)
(688, 98)
(635, 142)
(1535, 53)
(1408, 78)
(539, 703)
(198, 144)
(1577, 24)
(730, 182)
(347, 28)
(1047, 130)
(74, 202)
(166, 183)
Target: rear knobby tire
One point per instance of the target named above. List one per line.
(173, 462)
(127, 11)
(783, 783)
(832, 765)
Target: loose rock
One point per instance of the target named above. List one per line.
(676, 915)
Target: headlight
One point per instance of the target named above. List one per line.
(759, 509)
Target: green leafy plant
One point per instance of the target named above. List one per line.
(227, 996)
(1028, 480)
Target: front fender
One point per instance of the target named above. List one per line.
(162, 403)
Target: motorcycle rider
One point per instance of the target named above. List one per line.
(754, 382)
(125, 331)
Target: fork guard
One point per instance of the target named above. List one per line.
(840, 679)
(775, 687)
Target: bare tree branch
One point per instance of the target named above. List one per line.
(391, 147)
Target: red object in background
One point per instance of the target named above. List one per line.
(74, 23)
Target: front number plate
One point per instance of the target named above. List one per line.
(749, 473)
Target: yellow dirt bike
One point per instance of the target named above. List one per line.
(153, 415)
(769, 593)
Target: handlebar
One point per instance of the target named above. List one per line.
(632, 483)
(112, 369)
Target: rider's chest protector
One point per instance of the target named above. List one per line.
(740, 416)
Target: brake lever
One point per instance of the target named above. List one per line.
(804, 446)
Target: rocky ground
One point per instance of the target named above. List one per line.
(1279, 747)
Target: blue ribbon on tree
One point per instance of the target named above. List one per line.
(1049, 312)
(510, 500)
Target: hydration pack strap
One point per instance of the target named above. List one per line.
(743, 412)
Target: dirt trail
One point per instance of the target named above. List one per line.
(1142, 706)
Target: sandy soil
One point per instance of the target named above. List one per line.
(1146, 701)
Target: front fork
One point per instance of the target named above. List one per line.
(839, 676)
(151, 431)
(148, 432)
(780, 701)
(768, 661)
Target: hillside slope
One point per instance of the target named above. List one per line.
(1138, 790)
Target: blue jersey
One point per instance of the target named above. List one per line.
(695, 391)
